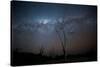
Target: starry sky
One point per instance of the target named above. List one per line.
(34, 26)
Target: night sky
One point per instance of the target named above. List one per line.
(34, 26)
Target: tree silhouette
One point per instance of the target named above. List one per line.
(41, 50)
(64, 32)
(60, 25)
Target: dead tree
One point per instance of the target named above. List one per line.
(41, 50)
(60, 25)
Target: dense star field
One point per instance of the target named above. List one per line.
(54, 29)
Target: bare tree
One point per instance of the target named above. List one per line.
(61, 32)
(60, 25)
(41, 50)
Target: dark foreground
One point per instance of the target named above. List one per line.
(21, 58)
